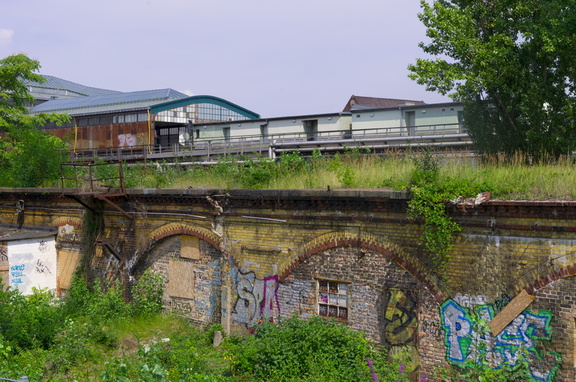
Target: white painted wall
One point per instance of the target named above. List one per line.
(32, 263)
(287, 125)
(425, 116)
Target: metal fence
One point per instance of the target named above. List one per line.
(264, 144)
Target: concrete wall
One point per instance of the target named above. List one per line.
(29, 263)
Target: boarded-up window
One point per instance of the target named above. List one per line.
(190, 247)
(181, 279)
(67, 263)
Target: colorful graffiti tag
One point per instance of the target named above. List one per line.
(257, 299)
(466, 341)
(126, 140)
(400, 326)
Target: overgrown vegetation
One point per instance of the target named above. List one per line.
(92, 334)
(505, 177)
(429, 203)
(310, 350)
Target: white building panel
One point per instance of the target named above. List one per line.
(32, 264)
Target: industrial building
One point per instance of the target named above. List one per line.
(168, 120)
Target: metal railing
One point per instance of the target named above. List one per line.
(85, 177)
(258, 143)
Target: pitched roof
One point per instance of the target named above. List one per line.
(61, 84)
(360, 102)
(111, 102)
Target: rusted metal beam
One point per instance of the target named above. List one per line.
(104, 198)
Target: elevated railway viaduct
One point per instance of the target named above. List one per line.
(237, 257)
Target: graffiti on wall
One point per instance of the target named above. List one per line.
(401, 325)
(67, 232)
(207, 281)
(126, 140)
(3, 254)
(466, 341)
(32, 264)
(257, 299)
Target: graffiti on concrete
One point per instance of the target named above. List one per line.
(17, 274)
(257, 299)
(41, 267)
(181, 306)
(466, 339)
(31, 264)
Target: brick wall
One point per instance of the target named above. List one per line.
(192, 282)
(383, 300)
(263, 254)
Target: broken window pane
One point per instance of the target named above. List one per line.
(332, 311)
(333, 287)
(333, 299)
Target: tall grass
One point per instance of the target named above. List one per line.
(506, 177)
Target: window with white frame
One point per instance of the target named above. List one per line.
(333, 299)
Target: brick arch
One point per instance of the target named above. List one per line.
(539, 277)
(373, 243)
(60, 221)
(172, 229)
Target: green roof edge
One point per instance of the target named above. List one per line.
(155, 109)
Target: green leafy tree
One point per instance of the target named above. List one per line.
(512, 65)
(29, 157)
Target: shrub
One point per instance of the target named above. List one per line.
(312, 349)
(28, 322)
(107, 303)
(147, 294)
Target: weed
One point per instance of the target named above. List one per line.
(147, 294)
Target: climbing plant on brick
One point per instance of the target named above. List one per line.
(430, 195)
(429, 205)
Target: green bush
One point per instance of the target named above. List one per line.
(107, 303)
(312, 349)
(28, 322)
(147, 294)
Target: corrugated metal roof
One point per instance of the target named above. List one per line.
(58, 83)
(138, 99)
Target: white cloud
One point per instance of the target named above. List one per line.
(187, 92)
(6, 37)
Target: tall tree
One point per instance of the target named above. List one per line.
(29, 157)
(512, 63)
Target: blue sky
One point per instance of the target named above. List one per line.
(277, 58)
